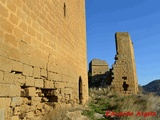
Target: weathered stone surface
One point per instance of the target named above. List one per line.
(30, 81)
(36, 72)
(43, 73)
(8, 78)
(16, 101)
(39, 83)
(27, 70)
(48, 84)
(15, 90)
(124, 69)
(2, 111)
(4, 90)
(16, 111)
(39, 47)
(9, 90)
(1, 76)
(15, 118)
(16, 67)
(19, 78)
(30, 91)
(5, 102)
(5, 64)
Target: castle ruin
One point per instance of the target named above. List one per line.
(98, 72)
(121, 78)
(124, 78)
(98, 67)
(43, 59)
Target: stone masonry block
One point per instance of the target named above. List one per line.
(51, 75)
(4, 90)
(16, 66)
(15, 90)
(18, 33)
(7, 26)
(3, 48)
(31, 91)
(27, 70)
(39, 83)
(13, 53)
(8, 78)
(30, 81)
(16, 101)
(53, 68)
(11, 6)
(11, 40)
(15, 118)
(19, 78)
(24, 58)
(36, 72)
(2, 111)
(4, 11)
(59, 85)
(14, 19)
(16, 111)
(44, 73)
(58, 77)
(9, 90)
(5, 102)
(48, 84)
(5, 64)
(66, 91)
(55, 76)
(1, 76)
(35, 61)
(35, 100)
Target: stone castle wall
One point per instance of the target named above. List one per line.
(42, 56)
(124, 69)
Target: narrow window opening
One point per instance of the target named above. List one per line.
(64, 8)
(80, 90)
(124, 78)
(125, 86)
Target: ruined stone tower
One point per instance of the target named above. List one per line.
(42, 56)
(98, 67)
(124, 69)
(98, 71)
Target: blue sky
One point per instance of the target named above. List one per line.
(141, 18)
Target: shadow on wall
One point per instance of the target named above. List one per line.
(100, 80)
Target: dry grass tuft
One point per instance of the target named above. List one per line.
(102, 100)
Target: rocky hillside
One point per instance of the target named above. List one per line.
(153, 86)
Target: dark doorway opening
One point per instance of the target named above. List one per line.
(80, 90)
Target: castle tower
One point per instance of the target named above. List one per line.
(98, 70)
(43, 57)
(98, 67)
(124, 69)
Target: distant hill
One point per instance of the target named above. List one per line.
(153, 86)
